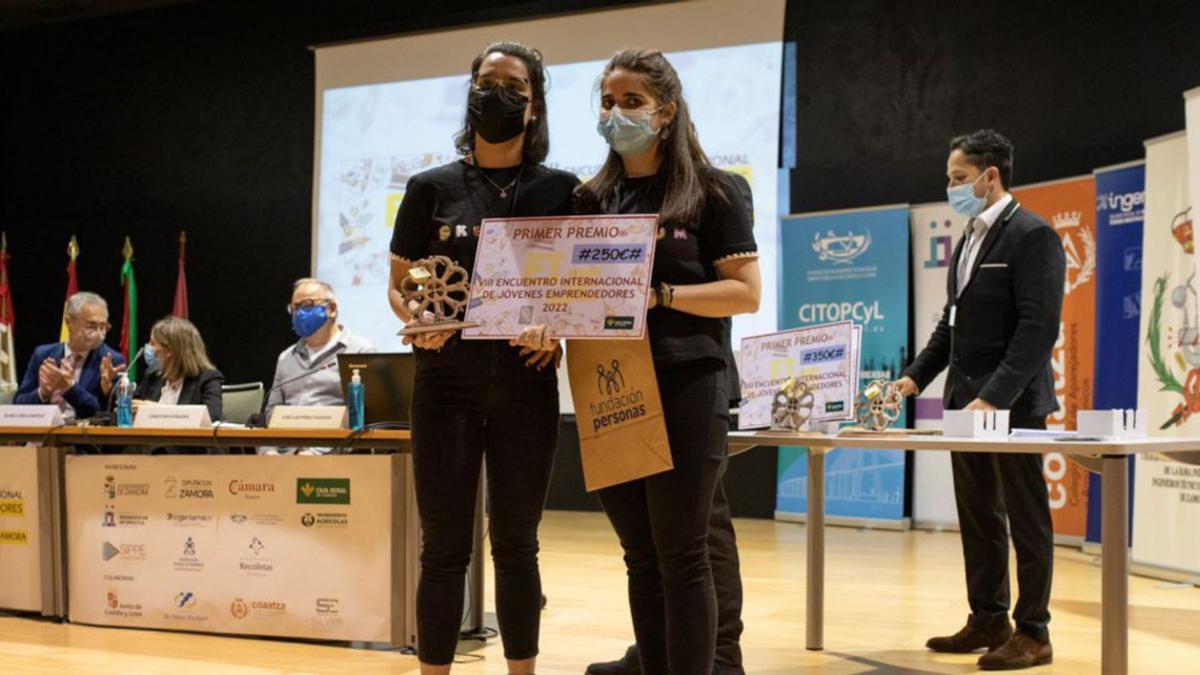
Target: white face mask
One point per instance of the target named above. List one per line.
(91, 338)
(628, 132)
(963, 200)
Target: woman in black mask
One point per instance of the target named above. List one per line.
(477, 400)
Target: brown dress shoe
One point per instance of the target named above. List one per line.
(1020, 652)
(971, 638)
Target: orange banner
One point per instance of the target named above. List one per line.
(1070, 207)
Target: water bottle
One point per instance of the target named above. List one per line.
(124, 401)
(356, 401)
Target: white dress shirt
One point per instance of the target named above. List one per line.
(170, 393)
(978, 228)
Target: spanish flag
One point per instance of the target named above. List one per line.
(72, 286)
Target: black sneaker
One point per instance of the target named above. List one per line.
(630, 664)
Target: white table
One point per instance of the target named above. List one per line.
(1113, 456)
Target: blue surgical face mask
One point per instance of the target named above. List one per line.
(308, 320)
(629, 132)
(963, 200)
(150, 356)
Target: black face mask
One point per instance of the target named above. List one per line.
(496, 114)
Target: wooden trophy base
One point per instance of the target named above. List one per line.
(438, 327)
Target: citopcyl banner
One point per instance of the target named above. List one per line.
(849, 266)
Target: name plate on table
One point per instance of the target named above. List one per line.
(581, 277)
(308, 417)
(975, 424)
(30, 416)
(150, 416)
(823, 360)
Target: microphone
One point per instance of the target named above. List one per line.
(106, 416)
(258, 419)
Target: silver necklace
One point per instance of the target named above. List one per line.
(503, 190)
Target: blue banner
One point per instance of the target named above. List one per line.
(849, 266)
(1120, 205)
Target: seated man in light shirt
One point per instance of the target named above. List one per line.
(77, 375)
(306, 373)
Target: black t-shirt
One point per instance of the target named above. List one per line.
(444, 206)
(687, 255)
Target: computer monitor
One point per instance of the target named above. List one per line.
(387, 384)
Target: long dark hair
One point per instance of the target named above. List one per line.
(688, 170)
(537, 133)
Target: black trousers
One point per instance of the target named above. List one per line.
(476, 401)
(727, 581)
(996, 493)
(662, 522)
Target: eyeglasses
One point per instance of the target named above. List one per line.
(97, 325)
(307, 303)
(513, 86)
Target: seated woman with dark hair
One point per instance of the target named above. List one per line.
(179, 372)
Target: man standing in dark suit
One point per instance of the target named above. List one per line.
(76, 375)
(1000, 323)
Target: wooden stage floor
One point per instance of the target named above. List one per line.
(887, 592)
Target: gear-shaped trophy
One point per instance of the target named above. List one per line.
(878, 405)
(792, 405)
(435, 290)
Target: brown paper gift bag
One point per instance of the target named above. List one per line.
(622, 434)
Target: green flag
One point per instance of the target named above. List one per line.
(129, 339)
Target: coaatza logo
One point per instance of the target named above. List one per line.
(238, 609)
(250, 489)
(185, 600)
(840, 249)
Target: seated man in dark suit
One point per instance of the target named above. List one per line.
(179, 371)
(77, 375)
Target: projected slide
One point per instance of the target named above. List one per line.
(373, 138)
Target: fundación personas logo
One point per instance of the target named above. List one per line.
(840, 249)
(619, 401)
(609, 380)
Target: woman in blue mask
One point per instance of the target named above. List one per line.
(705, 271)
(482, 400)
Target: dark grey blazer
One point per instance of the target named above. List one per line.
(1005, 322)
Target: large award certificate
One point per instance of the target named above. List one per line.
(582, 277)
(824, 357)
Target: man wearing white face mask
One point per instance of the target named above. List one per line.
(77, 375)
(1000, 323)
